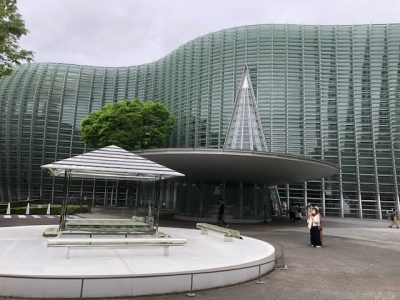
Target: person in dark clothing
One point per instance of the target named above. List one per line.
(393, 218)
(221, 211)
(314, 224)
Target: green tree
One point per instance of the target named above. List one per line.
(132, 125)
(12, 27)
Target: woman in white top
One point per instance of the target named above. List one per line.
(314, 224)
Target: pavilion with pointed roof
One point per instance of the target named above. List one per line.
(111, 162)
(243, 173)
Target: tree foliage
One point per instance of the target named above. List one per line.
(132, 125)
(12, 27)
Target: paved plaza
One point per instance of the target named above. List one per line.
(359, 260)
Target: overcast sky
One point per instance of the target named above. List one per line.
(132, 32)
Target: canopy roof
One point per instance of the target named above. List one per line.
(111, 162)
(217, 165)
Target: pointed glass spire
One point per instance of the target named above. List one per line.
(245, 130)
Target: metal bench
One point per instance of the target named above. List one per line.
(228, 233)
(114, 243)
(105, 225)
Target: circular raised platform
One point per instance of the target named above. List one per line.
(206, 262)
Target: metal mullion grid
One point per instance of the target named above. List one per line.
(153, 72)
(178, 73)
(245, 44)
(391, 92)
(321, 119)
(45, 128)
(39, 78)
(160, 80)
(146, 80)
(257, 62)
(2, 197)
(338, 129)
(167, 93)
(172, 100)
(221, 91)
(58, 126)
(188, 62)
(271, 91)
(74, 121)
(114, 93)
(234, 72)
(198, 97)
(286, 91)
(260, 130)
(243, 101)
(286, 103)
(304, 109)
(131, 85)
(126, 82)
(145, 70)
(249, 121)
(4, 105)
(136, 90)
(90, 103)
(102, 87)
(20, 121)
(355, 128)
(90, 106)
(209, 87)
(7, 140)
(75, 111)
(378, 197)
(304, 92)
(182, 99)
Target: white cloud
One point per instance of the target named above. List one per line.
(131, 32)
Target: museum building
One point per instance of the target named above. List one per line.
(265, 114)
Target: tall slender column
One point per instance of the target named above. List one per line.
(63, 213)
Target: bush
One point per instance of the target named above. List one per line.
(42, 209)
(23, 203)
(71, 209)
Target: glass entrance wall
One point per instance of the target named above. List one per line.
(328, 92)
(242, 201)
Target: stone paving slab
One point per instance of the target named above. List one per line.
(360, 260)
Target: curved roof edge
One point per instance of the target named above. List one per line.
(217, 165)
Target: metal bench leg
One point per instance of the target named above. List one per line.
(228, 238)
(166, 251)
(67, 252)
(204, 232)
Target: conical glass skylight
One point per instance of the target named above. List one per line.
(245, 130)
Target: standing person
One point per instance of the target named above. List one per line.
(309, 225)
(221, 211)
(298, 215)
(321, 223)
(315, 222)
(292, 213)
(393, 218)
(308, 210)
(284, 208)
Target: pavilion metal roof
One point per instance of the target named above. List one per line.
(111, 162)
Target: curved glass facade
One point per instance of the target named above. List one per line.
(327, 92)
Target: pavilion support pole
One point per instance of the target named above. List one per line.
(157, 198)
(63, 213)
